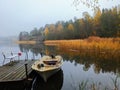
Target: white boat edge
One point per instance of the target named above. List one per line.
(52, 69)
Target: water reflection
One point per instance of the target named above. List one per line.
(55, 82)
(78, 67)
(36, 49)
(100, 61)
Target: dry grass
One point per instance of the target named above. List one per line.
(96, 45)
(90, 43)
(25, 42)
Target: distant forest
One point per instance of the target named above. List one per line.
(104, 23)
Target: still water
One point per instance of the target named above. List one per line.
(80, 71)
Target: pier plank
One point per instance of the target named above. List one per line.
(16, 71)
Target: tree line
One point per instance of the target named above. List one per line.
(104, 23)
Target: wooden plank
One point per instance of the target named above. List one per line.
(19, 74)
(13, 74)
(7, 68)
(16, 71)
(8, 73)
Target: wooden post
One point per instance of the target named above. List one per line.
(4, 57)
(26, 57)
(26, 71)
(33, 57)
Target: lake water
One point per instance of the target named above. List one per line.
(79, 71)
(15, 49)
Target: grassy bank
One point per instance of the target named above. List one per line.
(25, 42)
(90, 43)
(106, 46)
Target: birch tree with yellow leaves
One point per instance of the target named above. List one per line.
(46, 32)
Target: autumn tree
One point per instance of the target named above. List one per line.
(104, 23)
(34, 32)
(70, 27)
(23, 36)
(109, 22)
(71, 30)
(96, 21)
(51, 27)
(46, 32)
(88, 3)
(87, 24)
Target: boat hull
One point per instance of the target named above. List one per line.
(47, 66)
(47, 74)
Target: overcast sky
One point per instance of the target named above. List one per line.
(25, 15)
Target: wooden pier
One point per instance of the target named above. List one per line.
(15, 71)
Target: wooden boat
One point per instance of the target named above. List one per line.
(47, 66)
(55, 82)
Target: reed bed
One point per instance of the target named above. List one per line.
(97, 45)
(90, 43)
(25, 42)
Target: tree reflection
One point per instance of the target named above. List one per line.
(102, 62)
(36, 49)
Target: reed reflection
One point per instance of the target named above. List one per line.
(102, 62)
